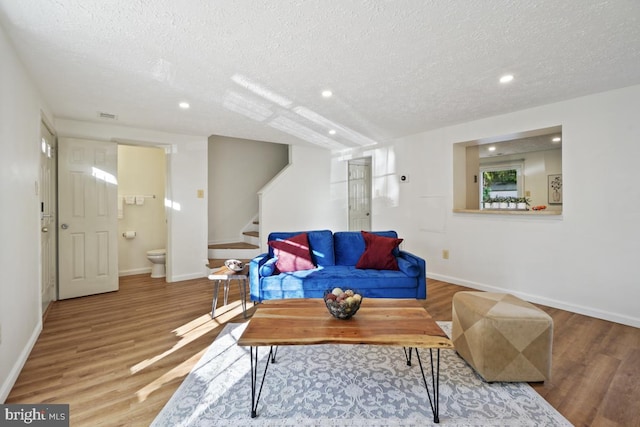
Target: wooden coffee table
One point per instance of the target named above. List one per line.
(380, 321)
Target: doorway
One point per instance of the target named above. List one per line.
(142, 211)
(359, 185)
(48, 228)
(89, 227)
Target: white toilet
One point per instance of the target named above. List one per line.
(158, 257)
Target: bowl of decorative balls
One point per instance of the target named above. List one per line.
(234, 264)
(342, 304)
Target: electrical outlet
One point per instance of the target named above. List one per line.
(200, 194)
(445, 254)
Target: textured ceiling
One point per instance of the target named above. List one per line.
(255, 69)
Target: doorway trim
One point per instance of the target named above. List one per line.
(48, 211)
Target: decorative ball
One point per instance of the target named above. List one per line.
(342, 304)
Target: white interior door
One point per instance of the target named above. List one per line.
(47, 191)
(360, 194)
(88, 221)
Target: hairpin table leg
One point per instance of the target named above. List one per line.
(255, 397)
(435, 381)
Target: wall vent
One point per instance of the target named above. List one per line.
(107, 116)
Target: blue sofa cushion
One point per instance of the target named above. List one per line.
(320, 243)
(349, 245)
(313, 283)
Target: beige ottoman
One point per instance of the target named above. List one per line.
(502, 337)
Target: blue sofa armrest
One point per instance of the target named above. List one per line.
(410, 268)
(422, 277)
(254, 275)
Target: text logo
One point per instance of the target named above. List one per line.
(53, 415)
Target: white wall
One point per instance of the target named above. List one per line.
(141, 171)
(187, 247)
(238, 169)
(21, 109)
(186, 174)
(582, 261)
(299, 198)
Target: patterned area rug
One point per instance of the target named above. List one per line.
(345, 385)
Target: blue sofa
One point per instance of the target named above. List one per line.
(336, 255)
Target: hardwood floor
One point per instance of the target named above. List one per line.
(117, 358)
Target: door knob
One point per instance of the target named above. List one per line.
(44, 229)
(64, 226)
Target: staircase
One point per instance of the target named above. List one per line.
(244, 250)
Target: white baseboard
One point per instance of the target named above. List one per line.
(11, 379)
(182, 277)
(538, 299)
(134, 271)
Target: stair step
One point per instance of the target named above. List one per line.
(241, 250)
(251, 233)
(235, 245)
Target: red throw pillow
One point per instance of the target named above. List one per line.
(378, 253)
(293, 253)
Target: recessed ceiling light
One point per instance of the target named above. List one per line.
(184, 105)
(327, 93)
(332, 132)
(506, 78)
(556, 139)
(492, 148)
